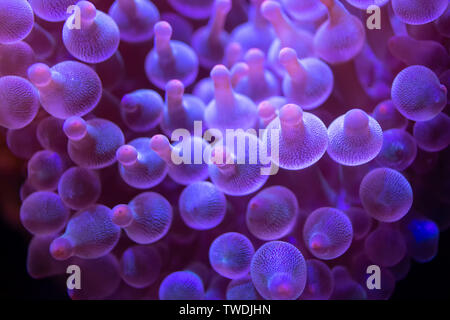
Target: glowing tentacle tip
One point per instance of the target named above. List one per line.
(40, 74)
(289, 59)
(127, 155)
(159, 143)
(163, 30)
(267, 112)
(318, 242)
(88, 12)
(175, 88)
(75, 128)
(239, 71)
(356, 121)
(287, 56)
(255, 58)
(220, 74)
(280, 286)
(61, 248)
(291, 115)
(122, 215)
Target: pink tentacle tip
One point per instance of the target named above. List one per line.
(266, 110)
(287, 56)
(122, 215)
(175, 88)
(239, 71)
(220, 73)
(159, 143)
(40, 74)
(127, 155)
(163, 30)
(255, 56)
(61, 248)
(356, 120)
(87, 10)
(291, 114)
(75, 128)
(317, 242)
